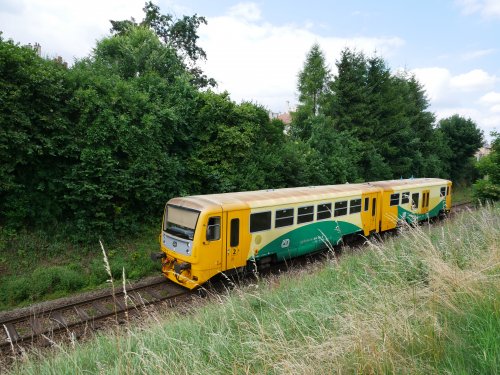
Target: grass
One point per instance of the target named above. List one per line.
(35, 266)
(427, 301)
(462, 194)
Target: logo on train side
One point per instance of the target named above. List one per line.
(285, 243)
(174, 244)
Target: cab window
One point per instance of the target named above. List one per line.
(213, 228)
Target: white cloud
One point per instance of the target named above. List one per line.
(246, 11)
(491, 97)
(258, 61)
(464, 94)
(486, 8)
(472, 55)
(62, 27)
(476, 79)
(436, 81)
(441, 85)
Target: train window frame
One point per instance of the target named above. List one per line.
(394, 199)
(356, 206)
(234, 235)
(261, 228)
(414, 203)
(367, 204)
(324, 213)
(447, 190)
(405, 197)
(340, 211)
(213, 230)
(306, 217)
(284, 221)
(442, 192)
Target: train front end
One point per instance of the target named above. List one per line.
(182, 239)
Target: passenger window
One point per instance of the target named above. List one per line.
(234, 239)
(355, 206)
(414, 200)
(367, 203)
(405, 197)
(213, 229)
(394, 199)
(443, 191)
(324, 211)
(284, 218)
(340, 208)
(447, 190)
(260, 221)
(305, 214)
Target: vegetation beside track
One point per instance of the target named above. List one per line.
(37, 266)
(423, 302)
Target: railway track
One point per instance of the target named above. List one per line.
(39, 326)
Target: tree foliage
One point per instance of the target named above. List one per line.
(488, 188)
(463, 138)
(179, 35)
(313, 80)
(384, 117)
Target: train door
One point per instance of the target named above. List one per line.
(425, 201)
(448, 196)
(369, 212)
(237, 239)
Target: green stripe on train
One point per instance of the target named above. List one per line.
(410, 216)
(307, 239)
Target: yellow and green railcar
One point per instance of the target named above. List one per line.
(205, 235)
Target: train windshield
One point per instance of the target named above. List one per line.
(180, 222)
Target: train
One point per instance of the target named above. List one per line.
(206, 235)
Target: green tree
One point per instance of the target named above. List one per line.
(35, 136)
(133, 108)
(180, 35)
(463, 138)
(234, 147)
(488, 188)
(313, 80)
(348, 102)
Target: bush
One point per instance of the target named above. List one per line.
(42, 282)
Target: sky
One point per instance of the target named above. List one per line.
(255, 49)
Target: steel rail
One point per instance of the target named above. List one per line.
(59, 323)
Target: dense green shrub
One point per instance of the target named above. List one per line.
(488, 189)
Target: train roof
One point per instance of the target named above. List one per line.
(274, 197)
(409, 183)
